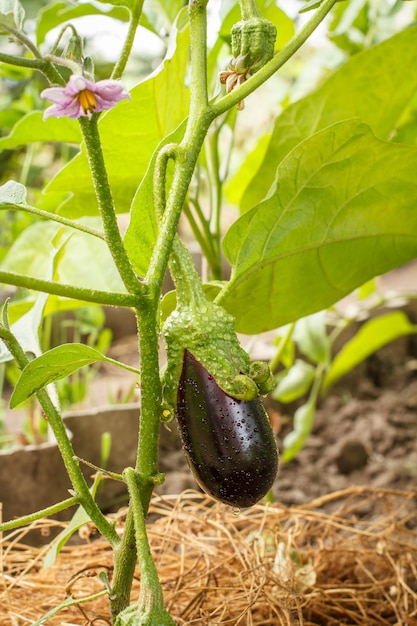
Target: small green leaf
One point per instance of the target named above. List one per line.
(303, 424)
(12, 14)
(311, 337)
(372, 336)
(51, 366)
(296, 382)
(12, 194)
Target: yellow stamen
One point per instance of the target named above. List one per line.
(87, 100)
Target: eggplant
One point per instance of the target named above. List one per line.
(229, 443)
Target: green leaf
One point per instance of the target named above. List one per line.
(310, 334)
(296, 382)
(161, 15)
(372, 336)
(12, 14)
(12, 194)
(343, 210)
(26, 330)
(59, 12)
(374, 85)
(31, 128)
(51, 366)
(83, 260)
(130, 133)
(120, 3)
(303, 424)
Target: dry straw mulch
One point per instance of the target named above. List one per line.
(349, 558)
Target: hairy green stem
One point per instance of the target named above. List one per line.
(42, 65)
(270, 68)
(69, 291)
(124, 558)
(248, 9)
(135, 14)
(64, 444)
(198, 48)
(106, 206)
(33, 517)
(53, 217)
(150, 606)
(22, 38)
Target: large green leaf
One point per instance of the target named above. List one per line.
(342, 211)
(160, 15)
(374, 85)
(129, 133)
(59, 12)
(31, 128)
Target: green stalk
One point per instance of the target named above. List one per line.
(69, 291)
(147, 456)
(237, 95)
(23, 38)
(33, 517)
(54, 217)
(186, 154)
(248, 9)
(135, 14)
(41, 65)
(150, 606)
(106, 207)
(82, 492)
(124, 558)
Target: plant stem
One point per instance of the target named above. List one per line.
(187, 152)
(69, 291)
(54, 217)
(130, 38)
(106, 206)
(151, 601)
(276, 359)
(23, 38)
(42, 65)
(147, 456)
(255, 81)
(248, 9)
(124, 558)
(50, 510)
(64, 444)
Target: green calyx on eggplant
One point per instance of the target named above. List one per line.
(229, 443)
(208, 332)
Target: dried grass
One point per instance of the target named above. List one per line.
(267, 565)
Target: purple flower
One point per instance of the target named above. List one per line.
(81, 97)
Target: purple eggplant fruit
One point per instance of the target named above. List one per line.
(229, 443)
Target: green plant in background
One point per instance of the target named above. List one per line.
(327, 201)
(310, 363)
